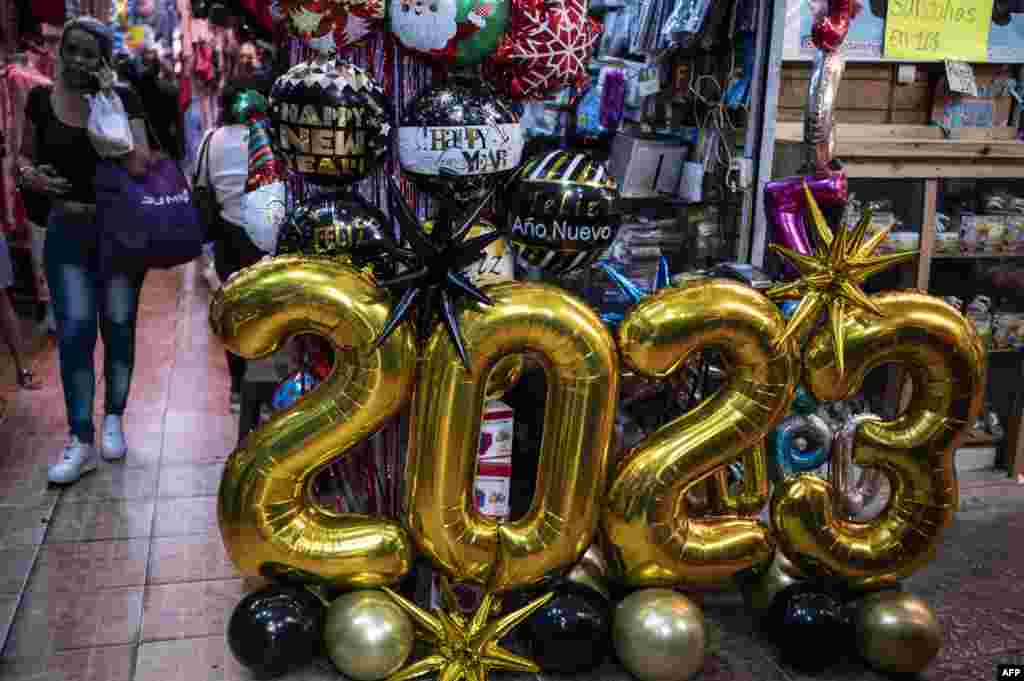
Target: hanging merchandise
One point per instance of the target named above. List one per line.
(459, 140)
(589, 130)
(454, 32)
(682, 28)
(328, 26)
(264, 201)
(332, 119)
(547, 47)
(561, 212)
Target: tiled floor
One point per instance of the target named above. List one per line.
(122, 577)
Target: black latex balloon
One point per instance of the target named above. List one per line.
(275, 630)
(338, 227)
(809, 626)
(572, 633)
(458, 140)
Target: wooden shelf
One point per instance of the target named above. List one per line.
(978, 256)
(978, 438)
(918, 151)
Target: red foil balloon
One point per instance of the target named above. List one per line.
(830, 28)
(328, 25)
(547, 47)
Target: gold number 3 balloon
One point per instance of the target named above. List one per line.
(268, 519)
(653, 538)
(578, 356)
(941, 352)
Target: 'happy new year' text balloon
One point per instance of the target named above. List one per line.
(333, 122)
(458, 140)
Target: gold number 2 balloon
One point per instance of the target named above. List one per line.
(578, 355)
(268, 519)
(944, 359)
(653, 538)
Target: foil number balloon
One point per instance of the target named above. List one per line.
(578, 354)
(653, 540)
(945, 360)
(269, 522)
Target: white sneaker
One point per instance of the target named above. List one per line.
(77, 459)
(114, 446)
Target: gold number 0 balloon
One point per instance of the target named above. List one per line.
(945, 360)
(268, 520)
(578, 355)
(652, 540)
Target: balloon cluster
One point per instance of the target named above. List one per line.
(816, 623)
(529, 49)
(412, 330)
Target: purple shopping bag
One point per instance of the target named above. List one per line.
(145, 222)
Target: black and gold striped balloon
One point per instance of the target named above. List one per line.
(561, 212)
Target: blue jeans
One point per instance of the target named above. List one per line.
(82, 304)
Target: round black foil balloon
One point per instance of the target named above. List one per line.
(561, 212)
(332, 121)
(337, 228)
(458, 140)
(809, 626)
(572, 633)
(275, 630)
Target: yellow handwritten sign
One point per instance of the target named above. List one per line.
(932, 30)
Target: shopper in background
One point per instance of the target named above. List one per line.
(63, 166)
(228, 168)
(9, 324)
(160, 99)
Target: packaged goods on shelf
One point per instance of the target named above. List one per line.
(981, 233)
(900, 241)
(947, 243)
(1013, 237)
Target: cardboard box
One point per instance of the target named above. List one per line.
(642, 166)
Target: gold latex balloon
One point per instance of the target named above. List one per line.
(578, 356)
(466, 649)
(269, 522)
(943, 356)
(653, 537)
(897, 632)
(367, 635)
(760, 589)
(659, 635)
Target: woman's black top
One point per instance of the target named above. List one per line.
(67, 148)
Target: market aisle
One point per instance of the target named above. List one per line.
(123, 574)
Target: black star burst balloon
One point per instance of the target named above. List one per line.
(433, 277)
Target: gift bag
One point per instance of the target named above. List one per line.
(108, 126)
(145, 223)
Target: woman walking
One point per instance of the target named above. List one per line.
(61, 164)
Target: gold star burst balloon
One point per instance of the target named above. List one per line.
(466, 649)
(830, 280)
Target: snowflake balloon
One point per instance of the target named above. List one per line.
(547, 47)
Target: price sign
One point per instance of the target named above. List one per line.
(933, 30)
